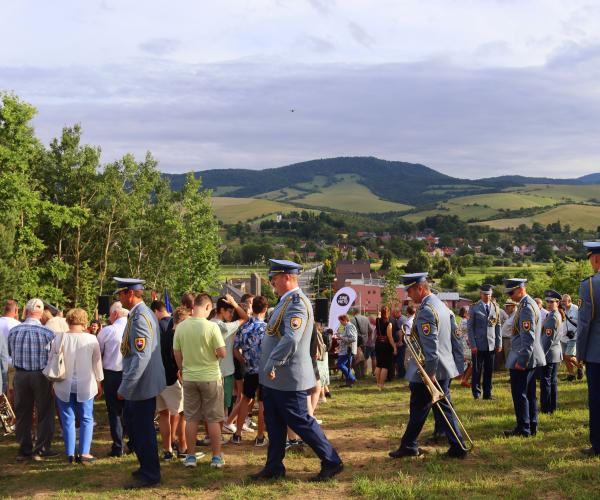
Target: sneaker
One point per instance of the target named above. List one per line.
(203, 442)
(250, 423)
(319, 421)
(190, 461)
(229, 429)
(184, 455)
(260, 442)
(247, 428)
(167, 455)
(235, 439)
(217, 462)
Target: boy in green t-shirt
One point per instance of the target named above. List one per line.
(198, 345)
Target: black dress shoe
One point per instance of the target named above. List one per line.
(515, 432)
(115, 453)
(48, 453)
(265, 475)
(489, 397)
(328, 473)
(405, 452)
(590, 452)
(71, 459)
(136, 473)
(456, 453)
(138, 483)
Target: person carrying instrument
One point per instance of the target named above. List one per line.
(550, 340)
(525, 356)
(588, 342)
(432, 328)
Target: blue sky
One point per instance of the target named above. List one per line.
(472, 88)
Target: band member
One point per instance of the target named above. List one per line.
(524, 357)
(483, 327)
(286, 374)
(588, 341)
(550, 340)
(433, 329)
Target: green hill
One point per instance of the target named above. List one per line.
(577, 216)
(232, 210)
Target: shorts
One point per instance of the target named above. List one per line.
(171, 398)
(240, 370)
(228, 390)
(369, 352)
(251, 386)
(571, 348)
(203, 401)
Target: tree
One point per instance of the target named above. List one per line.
(361, 253)
(449, 281)
(420, 263)
(386, 263)
(389, 294)
(441, 267)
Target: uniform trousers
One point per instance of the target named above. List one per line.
(32, 388)
(483, 364)
(114, 408)
(438, 417)
(344, 363)
(548, 387)
(420, 405)
(285, 409)
(139, 416)
(592, 372)
(522, 387)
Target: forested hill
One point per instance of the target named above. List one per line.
(397, 181)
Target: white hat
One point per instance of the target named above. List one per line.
(35, 305)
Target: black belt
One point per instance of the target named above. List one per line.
(24, 370)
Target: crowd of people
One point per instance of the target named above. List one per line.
(204, 369)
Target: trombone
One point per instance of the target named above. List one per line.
(437, 393)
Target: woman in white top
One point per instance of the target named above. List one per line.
(464, 338)
(75, 394)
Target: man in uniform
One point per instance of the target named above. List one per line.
(143, 379)
(483, 327)
(588, 341)
(525, 355)
(286, 373)
(432, 327)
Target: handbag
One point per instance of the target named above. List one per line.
(55, 370)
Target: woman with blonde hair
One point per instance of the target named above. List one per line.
(75, 393)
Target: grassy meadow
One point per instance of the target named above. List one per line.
(577, 216)
(363, 424)
(231, 210)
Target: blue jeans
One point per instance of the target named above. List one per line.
(344, 363)
(85, 412)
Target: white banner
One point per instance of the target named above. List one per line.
(341, 303)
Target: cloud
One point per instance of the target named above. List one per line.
(160, 46)
(464, 122)
(323, 7)
(359, 34)
(319, 45)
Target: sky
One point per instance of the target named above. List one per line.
(471, 88)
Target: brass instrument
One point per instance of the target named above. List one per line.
(437, 393)
(8, 419)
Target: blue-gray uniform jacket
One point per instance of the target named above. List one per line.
(458, 352)
(143, 370)
(526, 348)
(433, 327)
(286, 346)
(588, 320)
(550, 338)
(484, 328)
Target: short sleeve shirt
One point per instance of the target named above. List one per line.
(198, 339)
(248, 340)
(228, 331)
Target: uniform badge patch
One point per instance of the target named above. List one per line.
(549, 332)
(140, 343)
(426, 327)
(295, 322)
(526, 325)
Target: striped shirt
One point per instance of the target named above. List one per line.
(28, 345)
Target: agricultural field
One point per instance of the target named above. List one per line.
(346, 194)
(364, 424)
(483, 206)
(561, 192)
(577, 216)
(231, 210)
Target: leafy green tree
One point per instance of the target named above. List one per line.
(389, 294)
(361, 253)
(421, 262)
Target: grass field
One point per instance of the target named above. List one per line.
(231, 210)
(577, 216)
(561, 192)
(363, 424)
(346, 194)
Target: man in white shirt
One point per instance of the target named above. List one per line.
(569, 339)
(8, 321)
(110, 338)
